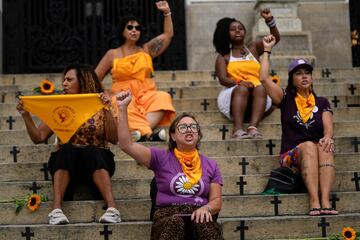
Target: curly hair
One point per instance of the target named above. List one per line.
(221, 38)
(123, 22)
(88, 80)
(172, 144)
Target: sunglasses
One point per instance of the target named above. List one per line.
(131, 27)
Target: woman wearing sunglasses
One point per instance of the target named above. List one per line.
(188, 183)
(131, 68)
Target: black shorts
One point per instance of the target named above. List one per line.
(81, 162)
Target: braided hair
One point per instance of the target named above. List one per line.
(221, 38)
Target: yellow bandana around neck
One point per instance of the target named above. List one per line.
(305, 106)
(63, 114)
(190, 164)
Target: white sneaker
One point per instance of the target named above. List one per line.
(135, 135)
(57, 217)
(112, 215)
(159, 135)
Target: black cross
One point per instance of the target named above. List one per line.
(270, 145)
(106, 232)
(335, 101)
(10, 120)
(28, 234)
(172, 92)
(323, 224)
(213, 74)
(325, 72)
(205, 104)
(272, 73)
(34, 187)
(223, 130)
(356, 180)
(333, 200)
(243, 164)
(242, 228)
(352, 89)
(173, 76)
(241, 183)
(14, 152)
(355, 142)
(3, 97)
(276, 203)
(45, 169)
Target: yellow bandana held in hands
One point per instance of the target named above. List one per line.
(190, 164)
(63, 114)
(305, 106)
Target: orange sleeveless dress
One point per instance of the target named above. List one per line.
(134, 73)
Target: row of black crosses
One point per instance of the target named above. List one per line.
(241, 228)
(28, 234)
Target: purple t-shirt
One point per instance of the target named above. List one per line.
(294, 131)
(171, 181)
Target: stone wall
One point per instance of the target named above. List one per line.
(327, 21)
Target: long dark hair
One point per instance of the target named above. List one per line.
(172, 144)
(88, 80)
(221, 37)
(290, 88)
(123, 22)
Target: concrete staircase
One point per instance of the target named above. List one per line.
(245, 165)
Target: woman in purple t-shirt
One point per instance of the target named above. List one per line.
(307, 140)
(188, 183)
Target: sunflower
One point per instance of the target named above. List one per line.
(276, 79)
(34, 202)
(348, 233)
(47, 87)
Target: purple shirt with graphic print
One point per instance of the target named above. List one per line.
(294, 131)
(173, 186)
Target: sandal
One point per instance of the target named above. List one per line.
(315, 212)
(254, 132)
(240, 134)
(329, 211)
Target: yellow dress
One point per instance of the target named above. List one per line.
(134, 73)
(247, 69)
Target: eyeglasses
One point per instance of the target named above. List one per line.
(183, 128)
(131, 27)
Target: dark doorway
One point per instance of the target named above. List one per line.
(46, 35)
(354, 7)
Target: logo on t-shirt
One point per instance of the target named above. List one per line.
(181, 186)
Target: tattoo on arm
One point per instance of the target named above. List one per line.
(156, 45)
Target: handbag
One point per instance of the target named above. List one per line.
(284, 180)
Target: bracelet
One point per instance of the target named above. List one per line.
(271, 23)
(167, 14)
(269, 52)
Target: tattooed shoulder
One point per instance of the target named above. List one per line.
(156, 45)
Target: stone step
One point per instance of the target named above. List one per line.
(140, 188)
(255, 228)
(164, 76)
(210, 132)
(204, 117)
(246, 147)
(139, 209)
(128, 168)
(178, 92)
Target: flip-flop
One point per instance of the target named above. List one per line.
(329, 211)
(240, 134)
(315, 212)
